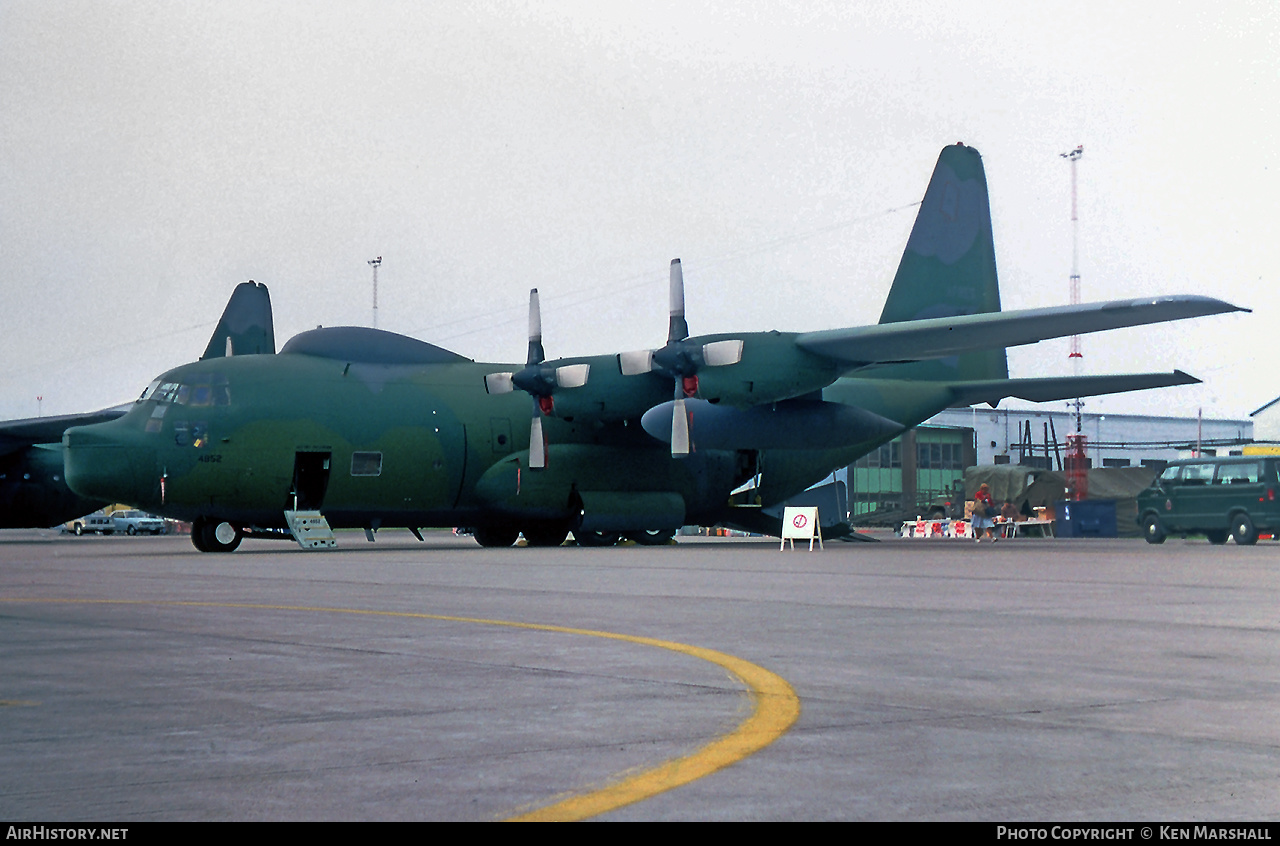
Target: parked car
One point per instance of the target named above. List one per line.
(137, 522)
(1217, 497)
(98, 522)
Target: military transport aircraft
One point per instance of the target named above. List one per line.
(355, 427)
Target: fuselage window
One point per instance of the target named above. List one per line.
(156, 420)
(366, 464)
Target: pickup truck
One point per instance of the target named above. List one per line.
(95, 523)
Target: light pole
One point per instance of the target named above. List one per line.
(374, 263)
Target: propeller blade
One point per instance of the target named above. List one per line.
(572, 375)
(720, 353)
(678, 329)
(499, 383)
(635, 363)
(680, 440)
(536, 354)
(537, 443)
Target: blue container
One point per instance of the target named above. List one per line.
(1088, 518)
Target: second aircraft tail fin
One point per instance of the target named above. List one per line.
(246, 327)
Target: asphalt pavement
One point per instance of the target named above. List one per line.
(934, 680)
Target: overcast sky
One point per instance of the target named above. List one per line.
(153, 155)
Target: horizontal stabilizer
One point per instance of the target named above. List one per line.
(936, 337)
(1052, 388)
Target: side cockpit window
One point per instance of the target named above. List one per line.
(207, 392)
(148, 391)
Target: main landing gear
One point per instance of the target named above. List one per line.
(554, 534)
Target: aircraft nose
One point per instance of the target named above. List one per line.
(99, 466)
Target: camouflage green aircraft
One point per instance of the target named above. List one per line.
(354, 427)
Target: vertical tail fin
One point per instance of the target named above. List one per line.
(246, 327)
(949, 266)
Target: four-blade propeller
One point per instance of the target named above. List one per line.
(538, 380)
(680, 359)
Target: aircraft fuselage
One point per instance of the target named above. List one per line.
(245, 438)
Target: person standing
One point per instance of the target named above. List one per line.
(984, 511)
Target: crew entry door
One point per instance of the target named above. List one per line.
(310, 480)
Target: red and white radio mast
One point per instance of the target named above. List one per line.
(1075, 355)
(1076, 465)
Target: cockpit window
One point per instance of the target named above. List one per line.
(210, 390)
(148, 391)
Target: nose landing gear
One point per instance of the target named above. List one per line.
(213, 535)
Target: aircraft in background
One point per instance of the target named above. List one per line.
(33, 492)
(356, 427)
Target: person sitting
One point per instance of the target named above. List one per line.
(1009, 512)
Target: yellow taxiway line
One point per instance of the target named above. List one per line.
(775, 709)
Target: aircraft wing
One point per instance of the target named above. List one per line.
(1256, 412)
(20, 434)
(1047, 389)
(937, 337)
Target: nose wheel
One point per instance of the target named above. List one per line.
(211, 535)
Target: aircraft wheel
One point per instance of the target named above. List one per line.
(597, 538)
(653, 537)
(222, 536)
(1217, 537)
(546, 534)
(496, 535)
(216, 536)
(1152, 530)
(197, 535)
(1243, 531)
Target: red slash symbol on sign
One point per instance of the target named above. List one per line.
(799, 520)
